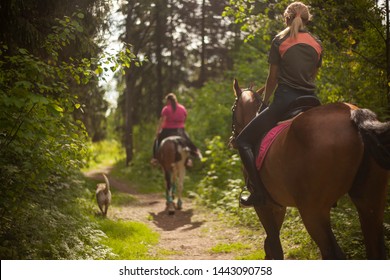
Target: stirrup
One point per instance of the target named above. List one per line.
(241, 199)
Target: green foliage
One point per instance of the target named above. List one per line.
(222, 167)
(52, 223)
(222, 181)
(38, 137)
(104, 153)
(41, 148)
(145, 178)
(209, 111)
(128, 240)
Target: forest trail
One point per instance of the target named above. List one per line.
(189, 234)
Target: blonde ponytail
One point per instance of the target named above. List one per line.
(296, 16)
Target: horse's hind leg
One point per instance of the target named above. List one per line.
(181, 170)
(272, 219)
(317, 223)
(169, 193)
(369, 196)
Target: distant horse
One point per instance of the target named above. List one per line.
(326, 152)
(172, 156)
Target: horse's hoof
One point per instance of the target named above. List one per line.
(171, 212)
(179, 205)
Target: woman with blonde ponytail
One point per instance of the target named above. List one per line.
(294, 59)
(296, 16)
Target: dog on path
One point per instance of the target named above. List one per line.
(103, 195)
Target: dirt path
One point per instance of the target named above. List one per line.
(190, 234)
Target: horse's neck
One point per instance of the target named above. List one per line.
(250, 105)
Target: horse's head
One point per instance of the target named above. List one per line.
(244, 109)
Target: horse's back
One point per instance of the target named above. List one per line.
(315, 160)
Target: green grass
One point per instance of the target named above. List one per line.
(229, 248)
(257, 255)
(128, 240)
(121, 199)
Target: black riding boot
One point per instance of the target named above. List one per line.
(258, 195)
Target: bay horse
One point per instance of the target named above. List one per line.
(326, 152)
(172, 156)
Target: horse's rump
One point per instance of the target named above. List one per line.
(171, 148)
(324, 145)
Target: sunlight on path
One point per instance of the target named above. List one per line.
(190, 234)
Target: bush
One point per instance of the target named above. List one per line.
(52, 224)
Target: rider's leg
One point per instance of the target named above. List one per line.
(246, 142)
(195, 152)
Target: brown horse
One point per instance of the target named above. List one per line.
(172, 156)
(314, 162)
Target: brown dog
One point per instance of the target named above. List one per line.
(103, 195)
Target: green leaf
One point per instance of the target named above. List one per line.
(57, 108)
(99, 70)
(23, 51)
(39, 99)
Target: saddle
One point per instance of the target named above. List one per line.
(300, 105)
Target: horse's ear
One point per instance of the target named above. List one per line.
(236, 88)
(260, 91)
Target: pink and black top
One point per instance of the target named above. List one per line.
(298, 58)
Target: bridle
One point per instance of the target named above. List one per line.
(234, 132)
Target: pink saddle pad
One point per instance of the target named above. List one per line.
(268, 140)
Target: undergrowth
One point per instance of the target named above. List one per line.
(53, 224)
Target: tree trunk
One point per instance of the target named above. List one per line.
(202, 74)
(159, 38)
(128, 93)
(129, 101)
(388, 52)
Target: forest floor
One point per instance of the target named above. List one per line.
(189, 234)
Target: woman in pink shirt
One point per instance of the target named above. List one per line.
(172, 123)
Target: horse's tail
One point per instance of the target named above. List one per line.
(375, 135)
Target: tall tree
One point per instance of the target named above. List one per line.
(26, 23)
(168, 34)
(387, 13)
